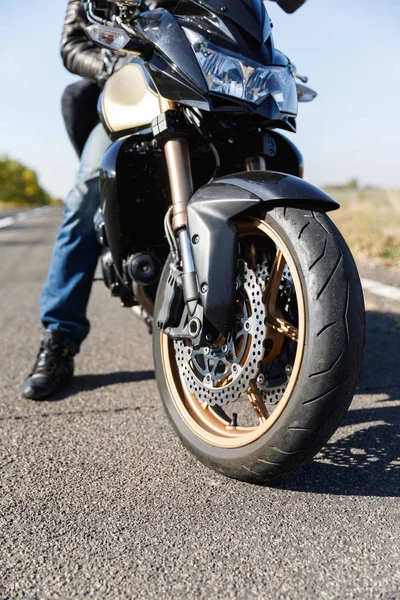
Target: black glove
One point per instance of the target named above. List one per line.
(112, 62)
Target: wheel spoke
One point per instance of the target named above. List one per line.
(274, 315)
(284, 327)
(277, 340)
(234, 355)
(274, 281)
(257, 401)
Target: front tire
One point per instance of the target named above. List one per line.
(327, 364)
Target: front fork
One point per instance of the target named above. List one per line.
(177, 156)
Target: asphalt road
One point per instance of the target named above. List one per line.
(98, 499)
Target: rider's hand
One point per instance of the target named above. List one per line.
(111, 62)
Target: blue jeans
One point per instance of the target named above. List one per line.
(65, 296)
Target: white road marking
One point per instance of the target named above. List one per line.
(22, 216)
(6, 222)
(381, 289)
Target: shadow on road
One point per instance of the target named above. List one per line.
(88, 383)
(367, 461)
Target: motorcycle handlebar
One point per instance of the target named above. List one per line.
(94, 7)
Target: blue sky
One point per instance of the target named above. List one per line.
(350, 49)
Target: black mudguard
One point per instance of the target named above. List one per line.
(210, 223)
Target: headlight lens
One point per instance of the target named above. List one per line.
(239, 78)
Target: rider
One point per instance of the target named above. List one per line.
(66, 292)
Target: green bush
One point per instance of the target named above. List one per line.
(19, 185)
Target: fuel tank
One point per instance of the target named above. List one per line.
(129, 100)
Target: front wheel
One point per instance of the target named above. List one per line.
(264, 401)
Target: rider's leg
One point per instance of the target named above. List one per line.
(65, 295)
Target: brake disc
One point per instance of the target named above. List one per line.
(220, 375)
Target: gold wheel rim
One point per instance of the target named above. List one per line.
(201, 419)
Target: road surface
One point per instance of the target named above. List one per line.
(98, 499)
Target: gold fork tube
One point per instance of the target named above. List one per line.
(179, 170)
(180, 179)
(255, 163)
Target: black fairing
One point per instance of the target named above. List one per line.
(242, 27)
(227, 33)
(251, 15)
(162, 29)
(210, 216)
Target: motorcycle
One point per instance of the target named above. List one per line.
(210, 230)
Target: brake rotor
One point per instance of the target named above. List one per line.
(221, 375)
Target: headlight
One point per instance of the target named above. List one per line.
(242, 79)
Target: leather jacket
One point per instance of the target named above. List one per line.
(80, 55)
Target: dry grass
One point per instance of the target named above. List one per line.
(370, 222)
(6, 206)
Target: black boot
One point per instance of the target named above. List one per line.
(54, 366)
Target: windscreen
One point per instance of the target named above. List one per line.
(251, 15)
(290, 6)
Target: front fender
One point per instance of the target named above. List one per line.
(213, 236)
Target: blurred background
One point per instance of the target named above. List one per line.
(349, 135)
